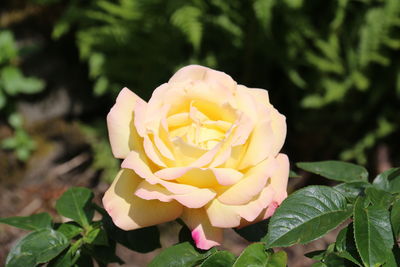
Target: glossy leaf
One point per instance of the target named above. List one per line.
(379, 197)
(346, 247)
(352, 190)
(372, 232)
(336, 170)
(388, 180)
(306, 215)
(37, 247)
(395, 218)
(180, 255)
(75, 204)
(33, 222)
(219, 259)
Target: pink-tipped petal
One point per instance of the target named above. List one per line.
(204, 234)
(131, 212)
(120, 122)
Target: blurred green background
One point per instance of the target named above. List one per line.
(332, 67)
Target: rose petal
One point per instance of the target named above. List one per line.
(226, 176)
(228, 216)
(251, 185)
(131, 212)
(187, 194)
(122, 134)
(195, 199)
(203, 233)
(260, 95)
(279, 179)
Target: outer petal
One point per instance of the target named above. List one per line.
(260, 95)
(131, 212)
(279, 179)
(196, 72)
(251, 185)
(123, 137)
(227, 216)
(203, 233)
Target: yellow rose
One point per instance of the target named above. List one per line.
(204, 149)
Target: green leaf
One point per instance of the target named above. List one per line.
(395, 218)
(96, 236)
(75, 204)
(379, 197)
(15, 82)
(372, 232)
(33, 222)
(219, 259)
(253, 232)
(68, 258)
(8, 47)
(257, 255)
(306, 215)
(253, 255)
(180, 255)
(388, 180)
(70, 230)
(133, 239)
(336, 170)
(278, 259)
(37, 247)
(352, 190)
(293, 174)
(346, 246)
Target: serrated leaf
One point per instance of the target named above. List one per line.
(306, 215)
(395, 218)
(379, 197)
(388, 180)
(352, 190)
(75, 204)
(346, 247)
(180, 255)
(336, 170)
(37, 247)
(372, 232)
(33, 222)
(219, 259)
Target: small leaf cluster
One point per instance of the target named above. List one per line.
(371, 210)
(12, 80)
(78, 242)
(185, 255)
(13, 83)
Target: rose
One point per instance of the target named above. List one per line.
(203, 149)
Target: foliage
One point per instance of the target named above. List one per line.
(13, 83)
(21, 143)
(368, 239)
(334, 56)
(103, 160)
